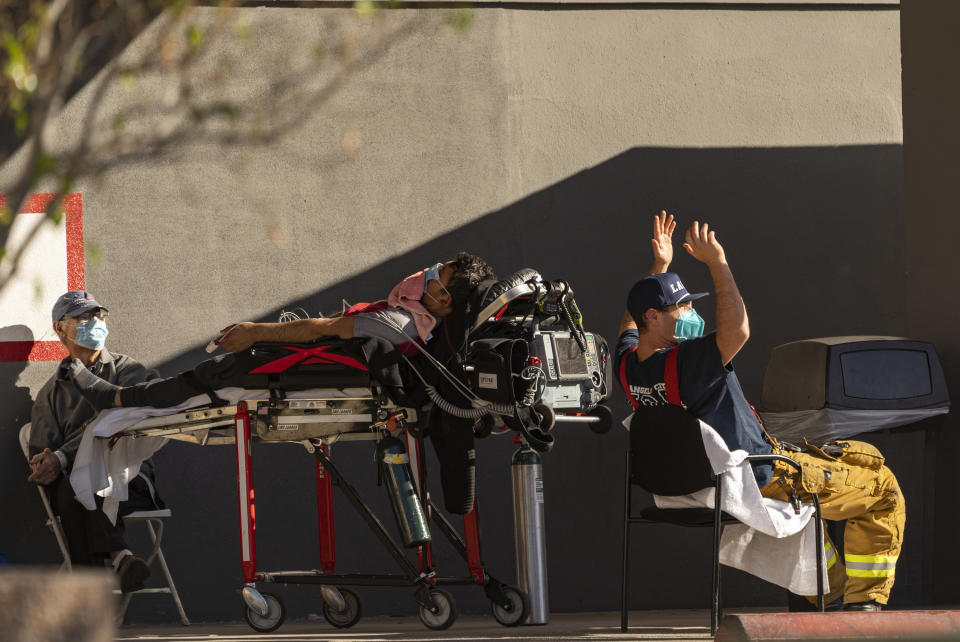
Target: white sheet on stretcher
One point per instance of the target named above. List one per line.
(104, 471)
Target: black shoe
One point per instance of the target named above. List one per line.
(133, 573)
(863, 606)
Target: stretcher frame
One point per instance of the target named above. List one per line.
(233, 424)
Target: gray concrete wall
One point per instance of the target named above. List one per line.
(541, 136)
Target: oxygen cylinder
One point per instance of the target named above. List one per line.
(528, 531)
(402, 492)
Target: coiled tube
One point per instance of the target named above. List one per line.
(488, 408)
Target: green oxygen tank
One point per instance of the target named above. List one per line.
(402, 492)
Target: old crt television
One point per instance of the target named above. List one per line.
(858, 372)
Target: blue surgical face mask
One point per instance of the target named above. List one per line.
(92, 334)
(689, 325)
(433, 273)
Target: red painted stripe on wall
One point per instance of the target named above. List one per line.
(32, 351)
(76, 275)
(73, 209)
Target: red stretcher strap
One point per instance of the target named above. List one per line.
(623, 377)
(671, 380)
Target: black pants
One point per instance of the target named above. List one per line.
(90, 535)
(453, 441)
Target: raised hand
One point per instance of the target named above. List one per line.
(702, 244)
(662, 242)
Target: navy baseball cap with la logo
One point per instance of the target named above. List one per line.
(658, 291)
(74, 303)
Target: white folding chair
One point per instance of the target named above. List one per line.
(53, 520)
(153, 519)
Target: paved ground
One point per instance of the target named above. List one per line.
(644, 625)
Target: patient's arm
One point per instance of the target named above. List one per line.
(243, 335)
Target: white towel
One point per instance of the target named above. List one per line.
(100, 470)
(773, 543)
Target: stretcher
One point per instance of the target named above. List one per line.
(527, 364)
(318, 419)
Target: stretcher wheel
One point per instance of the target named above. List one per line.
(517, 610)
(606, 420)
(269, 622)
(446, 613)
(548, 417)
(349, 616)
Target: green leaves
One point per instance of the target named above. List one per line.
(22, 80)
(17, 67)
(44, 165)
(461, 19)
(119, 122)
(176, 7)
(196, 37)
(365, 8)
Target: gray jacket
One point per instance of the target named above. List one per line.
(60, 412)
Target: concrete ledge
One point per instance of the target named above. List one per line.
(914, 626)
(42, 604)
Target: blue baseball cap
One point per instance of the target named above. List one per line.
(658, 291)
(74, 303)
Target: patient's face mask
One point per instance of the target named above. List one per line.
(92, 334)
(689, 325)
(433, 274)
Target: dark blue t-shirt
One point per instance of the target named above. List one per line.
(709, 390)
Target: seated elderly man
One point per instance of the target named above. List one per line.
(57, 421)
(409, 315)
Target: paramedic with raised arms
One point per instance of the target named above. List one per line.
(660, 318)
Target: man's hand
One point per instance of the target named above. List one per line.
(733, 326)
(238, 337)
(702, 245)
(46, 467)
(662, 242)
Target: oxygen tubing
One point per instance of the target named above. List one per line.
(467, 413)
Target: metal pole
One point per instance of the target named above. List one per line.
(248, 523)
(325, 520)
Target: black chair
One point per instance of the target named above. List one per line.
(666, 457)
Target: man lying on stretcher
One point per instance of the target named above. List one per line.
(411, 312)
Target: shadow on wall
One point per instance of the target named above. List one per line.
(814, 236)
(19, 497)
